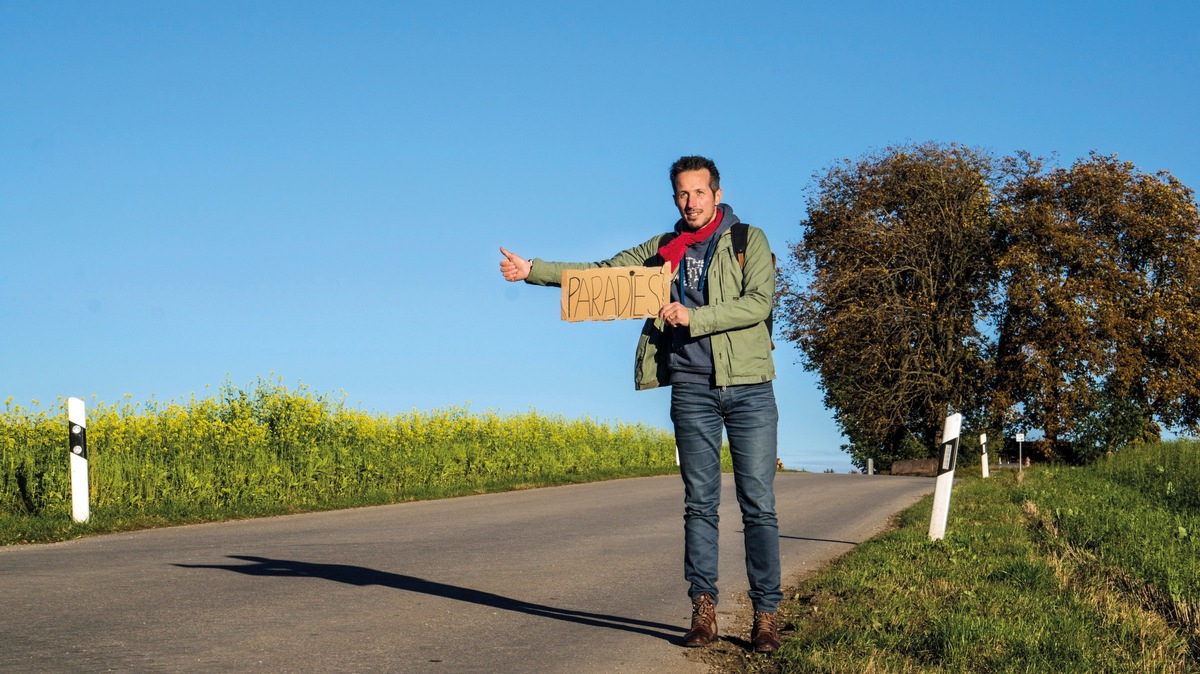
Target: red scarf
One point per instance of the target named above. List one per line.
(674, 250)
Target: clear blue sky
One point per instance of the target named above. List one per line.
(198, 191)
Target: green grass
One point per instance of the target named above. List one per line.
(266, 450)
(1060, 570)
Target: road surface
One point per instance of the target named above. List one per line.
(582, 578)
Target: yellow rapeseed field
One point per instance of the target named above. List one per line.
(267, 447)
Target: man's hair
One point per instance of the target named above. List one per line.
(696, 163)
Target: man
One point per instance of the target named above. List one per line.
(710, 343)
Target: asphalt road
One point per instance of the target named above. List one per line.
(580, 579)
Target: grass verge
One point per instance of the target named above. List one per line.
(1057, 570)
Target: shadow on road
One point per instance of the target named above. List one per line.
(818, 540)
(358, 575)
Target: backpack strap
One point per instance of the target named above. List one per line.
(740, 232)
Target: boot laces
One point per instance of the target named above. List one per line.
(765, 621)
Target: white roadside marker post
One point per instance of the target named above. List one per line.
(1020, 458)
(983, 449)
(77, 425)
(945, 477)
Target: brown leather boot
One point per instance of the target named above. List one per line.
(704, 622)
(765, 635)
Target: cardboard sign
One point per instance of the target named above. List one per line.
(609, 293)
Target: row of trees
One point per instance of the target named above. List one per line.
(936, 278)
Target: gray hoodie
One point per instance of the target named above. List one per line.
(691, 357)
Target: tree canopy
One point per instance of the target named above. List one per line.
(1101, 313)
(935, 278)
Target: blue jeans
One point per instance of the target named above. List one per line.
(751, 420)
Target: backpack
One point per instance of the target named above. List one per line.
(740, 232)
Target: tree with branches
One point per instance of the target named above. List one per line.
(1099, 326)
(899, 252)
(933, 278)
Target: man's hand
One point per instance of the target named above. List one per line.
(513, 266)
(675, 314)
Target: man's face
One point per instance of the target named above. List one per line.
(696, 202)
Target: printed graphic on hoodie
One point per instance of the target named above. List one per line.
(695, 271)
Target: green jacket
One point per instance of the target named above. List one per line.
(739, 302)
